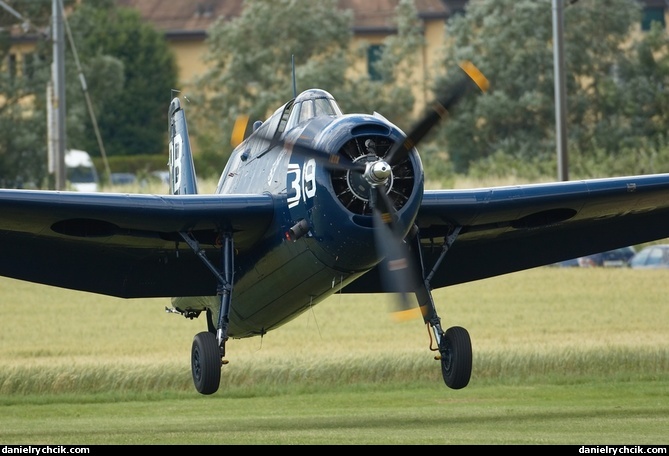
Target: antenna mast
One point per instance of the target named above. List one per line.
(292, 62)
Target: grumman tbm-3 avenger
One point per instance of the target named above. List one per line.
(312, 203)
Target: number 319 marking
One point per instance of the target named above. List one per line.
(302, 182)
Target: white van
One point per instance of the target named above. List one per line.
(81, 173)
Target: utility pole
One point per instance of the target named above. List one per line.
(560, 89)
(57, 100)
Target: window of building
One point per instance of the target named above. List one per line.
(374, 54)
(29, 63)
(652, 14)
(11, 65)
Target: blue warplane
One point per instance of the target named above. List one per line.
(312, 203)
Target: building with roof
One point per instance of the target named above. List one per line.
(185, 26)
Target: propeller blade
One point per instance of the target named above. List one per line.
(438, 110)
(239, 130)
(330, 161)
(397, 271)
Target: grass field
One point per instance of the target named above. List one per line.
(561, 355)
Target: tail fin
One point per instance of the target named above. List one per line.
(182, 170)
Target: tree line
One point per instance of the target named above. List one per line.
(616, 77)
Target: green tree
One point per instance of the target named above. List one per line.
(23, 155)
(129, 70)
(636, 109)
(250, 73)
(511, 41)
(130, 73)
(249, 60)
(393, 93)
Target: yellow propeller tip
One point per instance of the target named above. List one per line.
(239, 130)
(408, 314)
(476, 75)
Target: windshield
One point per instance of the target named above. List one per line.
(81, 174)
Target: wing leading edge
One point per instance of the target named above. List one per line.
(125, 245)
(513, 228)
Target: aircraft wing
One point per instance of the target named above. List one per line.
(122, 245)
(508, 229)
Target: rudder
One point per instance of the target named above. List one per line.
(183, 180)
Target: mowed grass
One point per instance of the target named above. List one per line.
(560, 356)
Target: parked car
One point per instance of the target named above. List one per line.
(162, 176)
(123, 178)
(572, 263)
(81, 173)
(610, 258)
(651, 257)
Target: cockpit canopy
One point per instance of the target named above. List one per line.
(312, 103)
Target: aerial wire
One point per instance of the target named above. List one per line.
(84, 88)
(26, 23)
(26, 26)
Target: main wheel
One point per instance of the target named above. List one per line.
(205, 361)
(455, 348)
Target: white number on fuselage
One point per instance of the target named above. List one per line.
(301, 183)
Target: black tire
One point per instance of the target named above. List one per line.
(456, 357)
(206, 363)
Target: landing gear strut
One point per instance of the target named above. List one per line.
(208, 349)
(454, 344)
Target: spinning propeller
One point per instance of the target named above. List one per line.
(397, 269)
(375, 173)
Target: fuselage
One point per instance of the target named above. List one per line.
(322, 235)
